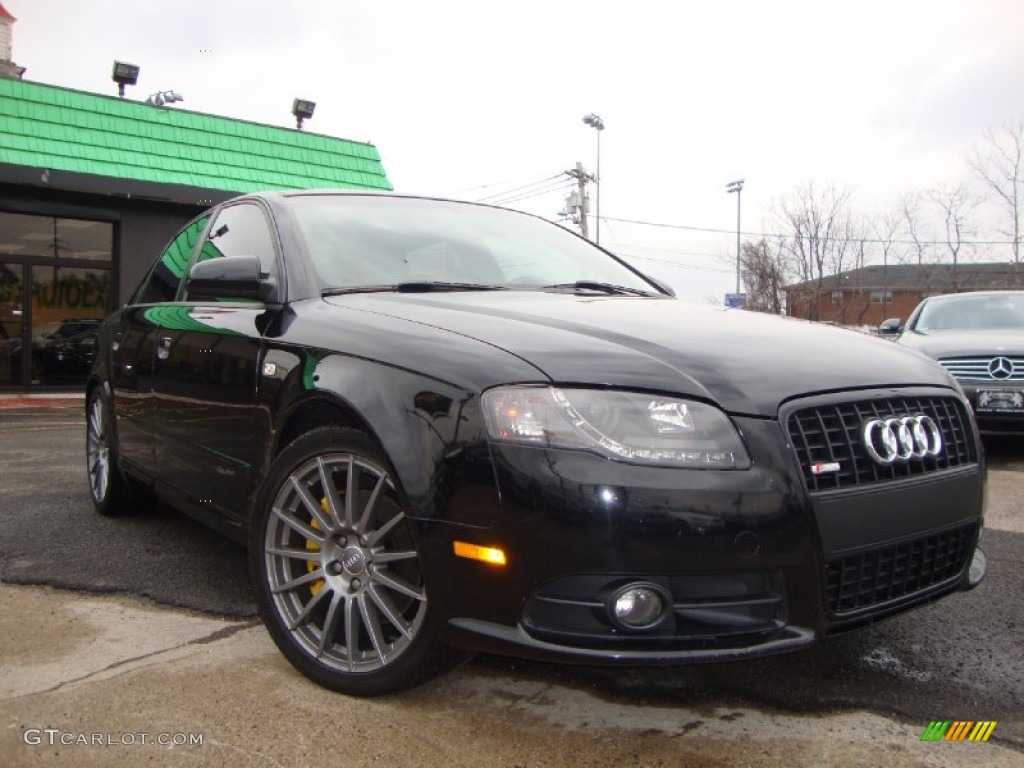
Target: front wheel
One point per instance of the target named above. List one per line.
(338, 577)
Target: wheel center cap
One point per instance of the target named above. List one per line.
(353, 561)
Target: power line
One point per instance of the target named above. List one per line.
(668, 250)
(562, 189)
(681, 265)
(492, 184)
(516, 190)
(558, 186)
(779, 236)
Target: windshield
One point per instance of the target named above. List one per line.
(958, 313)
(368, 241)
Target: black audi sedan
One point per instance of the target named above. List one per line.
(979, 338)
(443, 427)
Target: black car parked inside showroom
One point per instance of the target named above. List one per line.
(444, 426)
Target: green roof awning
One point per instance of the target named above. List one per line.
(42, 126)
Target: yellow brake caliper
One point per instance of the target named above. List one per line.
(312, 546)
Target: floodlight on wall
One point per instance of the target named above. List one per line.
(124, 74)
(302, 109)
(160, 98)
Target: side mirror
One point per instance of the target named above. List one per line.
(889, 327)
(229, 277)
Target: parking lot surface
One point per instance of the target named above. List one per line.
(145, 625)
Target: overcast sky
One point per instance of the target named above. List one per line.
(879, 96)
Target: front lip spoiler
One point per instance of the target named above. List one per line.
(789, 639)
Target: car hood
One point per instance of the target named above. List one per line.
(938, 344)
(748, 363)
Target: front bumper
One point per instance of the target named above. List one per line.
(754, 562)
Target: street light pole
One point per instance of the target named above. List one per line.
(597, 124)
(737, 187)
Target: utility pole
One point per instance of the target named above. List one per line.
(737, 187)
(579, 204)
(597, 124)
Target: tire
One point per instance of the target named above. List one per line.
(340, 586)
(110, 492)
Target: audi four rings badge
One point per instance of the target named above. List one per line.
(902, 439)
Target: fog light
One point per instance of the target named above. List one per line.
(979, 566)
(638, 606)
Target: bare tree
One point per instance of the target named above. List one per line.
(913, 221)
(998, 163)
(815, 224)
(955, 205)
(764, 275)
(884, 228)
(860, 251)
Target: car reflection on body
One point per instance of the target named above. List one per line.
(979, 338)
(440, 425)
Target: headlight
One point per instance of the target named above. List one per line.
(629, 426)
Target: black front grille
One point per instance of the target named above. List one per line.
(878, 576)
(825, 436)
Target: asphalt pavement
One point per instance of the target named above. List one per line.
(957, 659)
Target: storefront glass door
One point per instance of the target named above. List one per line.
(55, 289)
(12, 324)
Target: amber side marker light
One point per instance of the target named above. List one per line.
(491, 555)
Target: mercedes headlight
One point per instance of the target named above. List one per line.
(628, 426)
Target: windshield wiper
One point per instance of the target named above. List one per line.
(420, 286)
(593, 285)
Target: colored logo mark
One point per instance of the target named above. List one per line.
(958, 730)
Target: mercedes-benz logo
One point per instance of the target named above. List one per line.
(1000, 368)
(901, 439)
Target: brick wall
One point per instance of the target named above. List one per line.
(854, 307)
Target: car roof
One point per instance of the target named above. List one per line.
(977, 294)
(285, 194)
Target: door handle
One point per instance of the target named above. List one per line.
(163, 349)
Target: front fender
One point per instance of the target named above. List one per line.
(431, 431)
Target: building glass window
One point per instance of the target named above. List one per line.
(55, 238)
(881, 297)
(56, 286)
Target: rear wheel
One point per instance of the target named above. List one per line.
(110, 494)
(339, 580)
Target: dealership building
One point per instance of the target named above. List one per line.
(92, 187)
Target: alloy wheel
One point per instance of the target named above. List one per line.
(341, 566)
(97, 450)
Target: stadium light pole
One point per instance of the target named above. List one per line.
(597, 124)
(737, 187)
